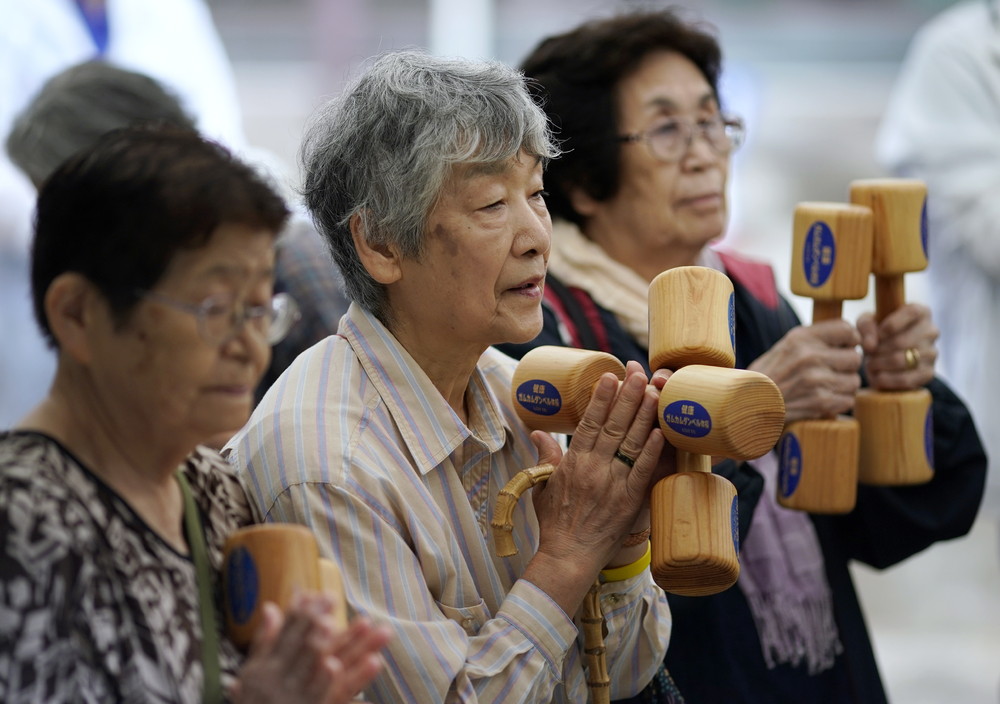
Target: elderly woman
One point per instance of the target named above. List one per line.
(642, 189)
(83, 102)
(392, 439)
(152, 273)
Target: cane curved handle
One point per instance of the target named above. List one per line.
(503, 517)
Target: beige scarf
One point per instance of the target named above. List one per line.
(579, 262)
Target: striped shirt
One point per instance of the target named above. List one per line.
(355, 442)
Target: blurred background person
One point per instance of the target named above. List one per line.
(176, 43)
(942, 125)
(642, 188)
(78, 105)
(152, 273)
(392, 439)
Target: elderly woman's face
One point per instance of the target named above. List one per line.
(162, 368)
(479, 279)
(678, 203)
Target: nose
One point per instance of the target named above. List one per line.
(534, 231)
(699, 152)
(247, 342)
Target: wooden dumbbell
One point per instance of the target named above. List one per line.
(706, 408)
(702, 409)
(831, 263)
(271, 562)
(896, 426)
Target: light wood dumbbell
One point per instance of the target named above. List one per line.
(706, 408)
(703, 410)
(831, 263)
(271, 562)
(896, 426)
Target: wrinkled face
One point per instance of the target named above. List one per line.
(682, 203)
(479, 278)
(161, 369)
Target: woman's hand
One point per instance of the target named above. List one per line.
(302, 657)
(901, 350)
(593, 498)
(816, 368)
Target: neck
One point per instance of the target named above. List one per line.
(131, 462)
(448, 368)
(645, 259)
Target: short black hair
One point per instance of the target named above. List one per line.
(118, 211)
(574, 77)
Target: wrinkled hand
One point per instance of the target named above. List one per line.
(885, 344)
(302, 657)
(592, 499)
(816, 368)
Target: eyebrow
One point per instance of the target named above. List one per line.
(235, 271)
(667, 103)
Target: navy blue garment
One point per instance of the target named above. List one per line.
(715, 654)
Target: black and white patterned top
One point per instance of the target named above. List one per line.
(94, 605)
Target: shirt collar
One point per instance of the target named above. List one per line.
(430, 428)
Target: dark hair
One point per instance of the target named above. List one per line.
(77, 106)
(119, 211)
(575, 76)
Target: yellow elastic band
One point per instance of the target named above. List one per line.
(617, 574)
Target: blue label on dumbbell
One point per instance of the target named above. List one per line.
(539, 397)
(242, 585)
(734, 519)
(732, 320)
(923, 227)
(819, 253)
(789, 465)
(929, 438)
(687, 418)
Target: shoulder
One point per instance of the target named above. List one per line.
(304, 428)
(217, 490)
(39, 479)
(755, 276)
(53, 517)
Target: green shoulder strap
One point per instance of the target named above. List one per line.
(209, 633)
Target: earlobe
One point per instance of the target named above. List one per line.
(582, 202)
(381, 261)
(69, 303)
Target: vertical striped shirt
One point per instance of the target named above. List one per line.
(355, 442)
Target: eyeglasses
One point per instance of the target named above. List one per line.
(671, 140)
(221, 318)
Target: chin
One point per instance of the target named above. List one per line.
(526, 332)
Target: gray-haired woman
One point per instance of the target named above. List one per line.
(392, 439)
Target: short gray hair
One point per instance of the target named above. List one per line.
(80, 104)
(384, 148)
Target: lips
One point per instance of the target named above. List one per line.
(233, 389)
(534, 282)
(701, 198)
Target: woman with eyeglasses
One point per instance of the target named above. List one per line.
(152, 276)
(641, 188)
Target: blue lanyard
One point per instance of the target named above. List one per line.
(96, 20)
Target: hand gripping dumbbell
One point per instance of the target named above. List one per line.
(896, 426)
(831, 262)
(703, 410)
(272, 562)
(706, 408)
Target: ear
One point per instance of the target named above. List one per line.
(381, 261)
(582, 202)
(70, 308)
